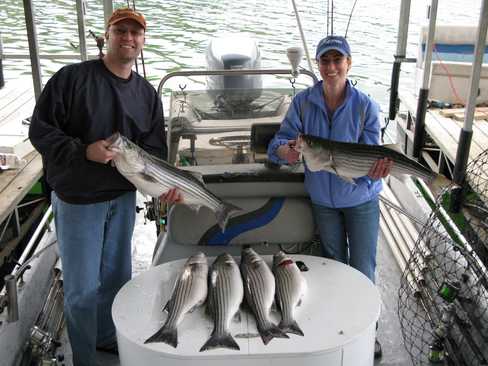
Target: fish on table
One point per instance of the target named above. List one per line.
(225, 295)
(190, 291)
(259, 292)
(353, 160)
(290, 289)
(153, 177)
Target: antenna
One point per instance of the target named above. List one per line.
(294, 55)
(350, 16)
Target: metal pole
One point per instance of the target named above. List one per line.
(81, 13)
(108, 9)
(466, 133)
(399, 56)
(302, 35)
(419, 136)
(33, 48)
(2, 80)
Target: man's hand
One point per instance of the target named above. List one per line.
(98, 152)
(174, 195)
(380, 169)
(287, 152)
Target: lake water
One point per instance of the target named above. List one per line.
(179, 31)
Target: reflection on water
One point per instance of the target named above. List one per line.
(179, 30)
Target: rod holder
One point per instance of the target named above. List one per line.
(10, 299)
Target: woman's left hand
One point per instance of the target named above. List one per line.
(380, 169)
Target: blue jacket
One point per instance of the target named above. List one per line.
(356, 120)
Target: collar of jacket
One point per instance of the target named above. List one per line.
(316, 95)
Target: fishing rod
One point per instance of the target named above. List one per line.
(142, 52)
(350, 16)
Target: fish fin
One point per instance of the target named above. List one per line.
(271, 331)
(166, 335)
(166, 307)
(148, 178)
(197, 175)
(224, 212)
(291, 328)
(220, 341)
(275, 307)
(237, 316)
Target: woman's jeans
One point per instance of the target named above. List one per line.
(350, 234)
(95, 248)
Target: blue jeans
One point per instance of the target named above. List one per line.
(350, 234)
(95, 248)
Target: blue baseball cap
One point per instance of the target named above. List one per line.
(337, 43)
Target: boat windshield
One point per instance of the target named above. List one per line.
(213, 127)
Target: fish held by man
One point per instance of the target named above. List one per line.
(190, 292)
(225, 295)
(290, 289)
(259, 292)
(353, 160)
(153, 177)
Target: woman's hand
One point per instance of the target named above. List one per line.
(380, 169)
(287, 152)
(172, 196)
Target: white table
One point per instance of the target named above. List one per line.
(338, 317)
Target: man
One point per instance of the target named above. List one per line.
(94, 206)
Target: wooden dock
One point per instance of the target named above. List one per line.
(16, 104)
(444, 128)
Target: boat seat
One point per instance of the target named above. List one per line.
(263, 220)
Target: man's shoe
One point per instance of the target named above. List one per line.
(378, 352)
(110, 349)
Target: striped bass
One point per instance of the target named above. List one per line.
(189, 292)
(290, 288)
(259, 291)
(225, 294)
(153, 177)
(352, 160)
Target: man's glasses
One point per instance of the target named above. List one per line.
(124, 31)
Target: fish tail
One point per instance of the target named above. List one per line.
(220, 341)
(270, 332)
(166, 335)
(224, 212)
(290, 327)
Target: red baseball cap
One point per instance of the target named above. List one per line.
(126, 13)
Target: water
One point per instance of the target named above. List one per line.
(179, 30)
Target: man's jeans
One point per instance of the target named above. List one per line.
(95, 248)
(350, 235)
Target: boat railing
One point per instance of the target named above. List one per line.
(233, 73)
(8, 295)
(293, 73)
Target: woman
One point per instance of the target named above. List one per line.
(347, 215)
